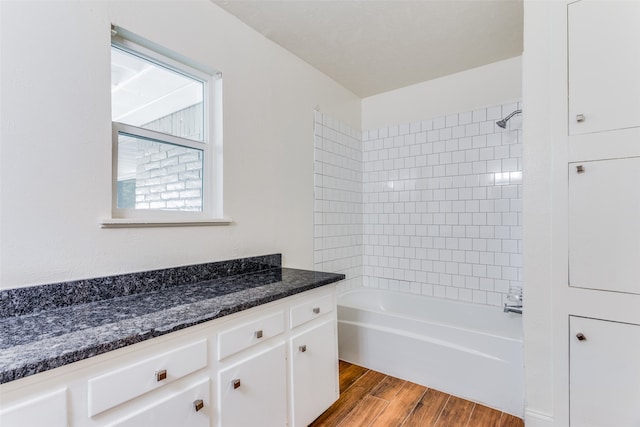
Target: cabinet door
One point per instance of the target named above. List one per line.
(253, 392)
(604, 65)
(314, 372)
(190, 407)
(604, 373)
(48, 410)
(604, 225)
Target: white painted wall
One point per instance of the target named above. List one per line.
(56, 143)
(487, 85)
(539, 122)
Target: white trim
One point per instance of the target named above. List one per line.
(161, 59)
(211, 146)
(143, 223)
(537, 419)
(125, 37)
(207, 211)
(163, 138)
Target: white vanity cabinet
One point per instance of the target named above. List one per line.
(604, 65)
(314, 372)
(313, 356)
(49, 409)
(253, 391)
(281, 367)
(237, 370)
(604, 373)
(252, 378)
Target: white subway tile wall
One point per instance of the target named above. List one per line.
(439, 200)
(338, 231)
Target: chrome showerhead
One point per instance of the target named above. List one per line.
(503, 123)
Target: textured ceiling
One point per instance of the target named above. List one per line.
(372, 46)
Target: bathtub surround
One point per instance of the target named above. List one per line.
(441, 205)
(338, 199)
(141, 306)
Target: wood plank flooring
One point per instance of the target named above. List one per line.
(369, 398)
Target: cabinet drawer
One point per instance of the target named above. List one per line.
(115, 387)
(311, 309)
(48, 410)
(186, 408)
(250, 333)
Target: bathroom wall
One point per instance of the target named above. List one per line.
(442, 206)
(338, 217)
(489, 84)
(56, 140)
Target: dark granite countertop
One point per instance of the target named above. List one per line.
(48, 338)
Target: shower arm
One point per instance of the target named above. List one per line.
(503, 123)
(506, 119)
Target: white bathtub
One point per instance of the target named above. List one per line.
(468, 350)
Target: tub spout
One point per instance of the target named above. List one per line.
(513, 309)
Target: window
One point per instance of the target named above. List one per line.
(167, 156)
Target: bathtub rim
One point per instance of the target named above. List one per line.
(501, 333)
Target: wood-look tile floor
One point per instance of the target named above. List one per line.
(369, 398)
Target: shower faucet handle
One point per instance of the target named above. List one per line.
(580, 118)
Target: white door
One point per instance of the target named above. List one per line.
(253, 392)
(604, 373)
(314, 372)
(604, 225)
(604, 65)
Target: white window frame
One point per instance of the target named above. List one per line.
(211, 145)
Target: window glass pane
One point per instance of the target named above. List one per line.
(151, 96)
(156, 175)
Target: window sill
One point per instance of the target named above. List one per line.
(147, 223)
